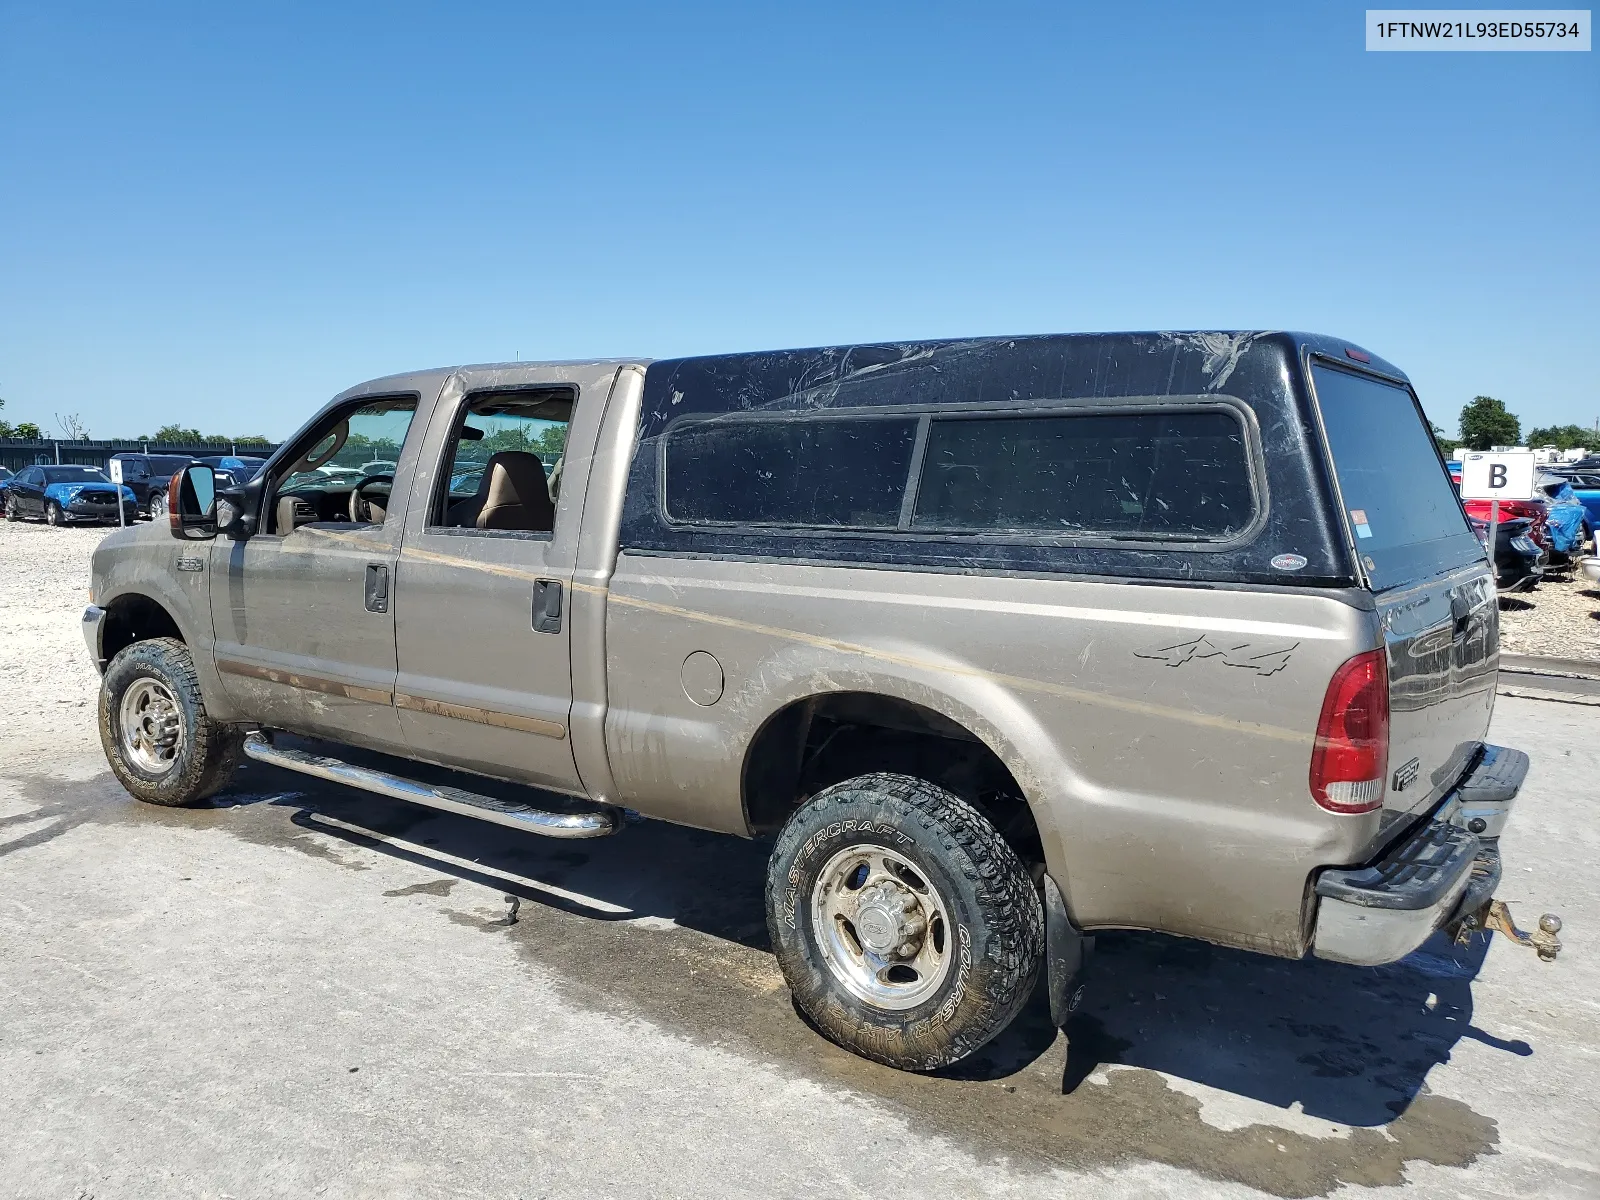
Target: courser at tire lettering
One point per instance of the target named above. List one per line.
(907, 928)
(157, 737)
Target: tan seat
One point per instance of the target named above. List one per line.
(515, 494)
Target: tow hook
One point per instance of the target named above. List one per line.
(1495, 917)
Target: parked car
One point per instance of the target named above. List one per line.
(1566, 519)
(5, 475)
(1519, 561)
(62, 494)
(1586, 487)
(232, 470)
(1535, 511)
(148, 476)
(1005, 640)
(378, 466)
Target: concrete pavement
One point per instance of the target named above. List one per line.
(303, 991)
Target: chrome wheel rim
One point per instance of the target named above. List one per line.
(152, 726)
(158, 506)
(883, 929)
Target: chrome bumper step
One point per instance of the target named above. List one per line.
(447, 799)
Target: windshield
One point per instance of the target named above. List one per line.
(1402, 511)
(74, 475)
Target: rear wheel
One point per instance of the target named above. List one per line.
(157, 737)
(53, 514)
(906, 927)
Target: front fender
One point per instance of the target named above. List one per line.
(143, 561)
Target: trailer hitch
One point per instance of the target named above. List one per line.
(1495, 917)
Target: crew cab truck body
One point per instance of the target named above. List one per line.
(1006, 640)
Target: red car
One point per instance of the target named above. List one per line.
(1537, 511)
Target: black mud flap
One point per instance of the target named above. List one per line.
(1066, 953)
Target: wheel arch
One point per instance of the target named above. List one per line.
(982, 747)
(135, 617)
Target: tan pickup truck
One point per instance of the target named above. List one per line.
(1002, 641)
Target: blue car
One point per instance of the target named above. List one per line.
(64, 494)
(1586, 487)
(233, 470)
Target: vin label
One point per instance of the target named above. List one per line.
(1477, 29)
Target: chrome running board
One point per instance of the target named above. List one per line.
(447, 799)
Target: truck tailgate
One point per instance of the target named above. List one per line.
(1432, 585)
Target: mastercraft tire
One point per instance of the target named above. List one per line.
(157, 737)
(907, 928)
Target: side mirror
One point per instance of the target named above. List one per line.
(192, 503)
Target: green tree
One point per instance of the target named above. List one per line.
(29, 431)
(175, 435)
(1562, 437)
(1447, 446)
(1485, 424)
(252, 439)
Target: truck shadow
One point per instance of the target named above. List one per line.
(1348, 1045)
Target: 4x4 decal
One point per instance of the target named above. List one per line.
(1243, 654)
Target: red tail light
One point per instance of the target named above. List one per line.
(1351, 756)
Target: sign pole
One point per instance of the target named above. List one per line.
(116, 478)
(1494, 531)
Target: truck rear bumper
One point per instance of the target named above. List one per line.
(1446, 868)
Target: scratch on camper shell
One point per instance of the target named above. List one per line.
(1222, 352)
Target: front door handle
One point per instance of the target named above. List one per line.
(377, 588)
(546, 606)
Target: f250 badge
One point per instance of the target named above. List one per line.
(1241, 654)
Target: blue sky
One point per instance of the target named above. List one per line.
(223, 215)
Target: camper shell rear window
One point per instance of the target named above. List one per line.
(1402, 513)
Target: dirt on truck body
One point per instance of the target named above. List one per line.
(1004, 641)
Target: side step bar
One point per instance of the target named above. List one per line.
(467, 804)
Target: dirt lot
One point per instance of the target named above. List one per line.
(1558, 619)
(299, 990)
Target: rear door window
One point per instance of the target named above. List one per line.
(1401, 508)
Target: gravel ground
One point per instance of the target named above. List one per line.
(42, 657)
(1560, 619)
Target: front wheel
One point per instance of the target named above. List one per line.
(53, 515)
(907, 928)
(157, 737)
(13, 513)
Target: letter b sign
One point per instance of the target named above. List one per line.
(1497, 475)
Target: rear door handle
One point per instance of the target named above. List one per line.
(377, 588)
(1461, 615)
(546, 606)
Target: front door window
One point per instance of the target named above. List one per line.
(347, 473)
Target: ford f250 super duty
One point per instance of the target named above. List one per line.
(1002, 641)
